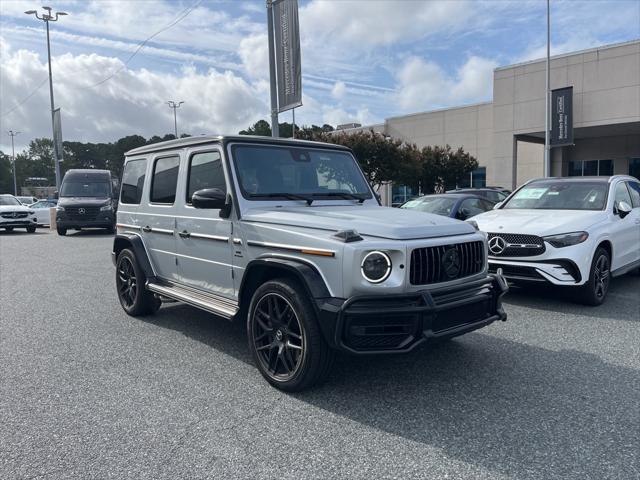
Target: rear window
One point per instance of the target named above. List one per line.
(164, 180)
(133, 181)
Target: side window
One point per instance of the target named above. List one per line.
(486, 206)
(205, 171)
(164, 180)
(622, 194)
(133, 181)
(472, 206)
(634, 188)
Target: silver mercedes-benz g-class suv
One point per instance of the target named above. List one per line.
(288, 236)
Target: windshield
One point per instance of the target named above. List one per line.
(437, 205)
(77, 188)
(9, 201)
(560, 195)
(298, 173)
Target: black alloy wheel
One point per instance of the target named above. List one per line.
(277, 337)
(595, 289)
(284, 336)
(130, 283)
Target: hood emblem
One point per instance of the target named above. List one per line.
(81, 211)
(451, 263)
(497, 245)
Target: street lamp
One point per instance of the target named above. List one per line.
(13, 159)
(175, 106)
(46, 18)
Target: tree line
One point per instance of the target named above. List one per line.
(382, 159)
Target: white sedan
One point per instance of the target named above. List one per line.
(42, 210)
(577, 231)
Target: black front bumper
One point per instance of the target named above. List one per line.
(103, 220)
(399, 323)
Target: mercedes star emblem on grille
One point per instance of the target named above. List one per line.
(451, 263)
(81, 211)
(497, 245)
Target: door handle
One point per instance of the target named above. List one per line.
(184, 234)
(146, 229)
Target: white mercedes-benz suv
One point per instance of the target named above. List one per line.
(576, 232)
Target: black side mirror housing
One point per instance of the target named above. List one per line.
(623, 209)
(213, 198)
(56, 195)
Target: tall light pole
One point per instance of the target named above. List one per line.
(275, 128)
(547, 145)
(13, 160)
(46, 18)
(175, 106)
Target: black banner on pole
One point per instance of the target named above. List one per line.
(287, 46)
(562, 117)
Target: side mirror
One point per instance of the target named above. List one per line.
(497, 205)
(56, 194)
(213, 198)
(623, 209)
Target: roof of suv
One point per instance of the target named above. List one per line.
(603, 179)
(189, 141)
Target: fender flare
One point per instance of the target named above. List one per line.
(133, 242)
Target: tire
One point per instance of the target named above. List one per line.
(594, 292)
(111, 230)
(31, 229)
(61, 231)
(8, 229)
(284, 337)
(134, 298)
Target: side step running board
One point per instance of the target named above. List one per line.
(214, 304)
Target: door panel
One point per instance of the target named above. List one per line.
(158, 222)
(203, 238)
(624, 231)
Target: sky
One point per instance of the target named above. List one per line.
(362, 60)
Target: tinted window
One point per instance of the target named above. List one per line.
(622, 194)
(560, 195)
(265, 172)
(164, 180)
(86, 187)
(473, 206)
(9, 201)
(205, 171)
(438, 205)
(634, 188)
(133, 181)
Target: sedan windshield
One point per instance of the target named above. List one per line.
(85, 189)
(9, 201)
(294, 173)
(560, 195)
(437, 205)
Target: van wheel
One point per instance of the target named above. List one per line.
(595, 290)
(8, 229)
(284, 337)
(31, 229)
(111, 229)
(61, 231)
(135, 299)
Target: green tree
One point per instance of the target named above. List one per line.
(261, 128)
(442, 168)
(6, 173)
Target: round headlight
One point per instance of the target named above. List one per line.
(376, 267)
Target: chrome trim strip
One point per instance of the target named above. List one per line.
(292, 248)
(217, 238)
(162, 230)
(153, 214)
(126, 225)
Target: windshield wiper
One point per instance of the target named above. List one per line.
(288, 196)
(349, 196)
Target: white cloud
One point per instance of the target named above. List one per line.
(339, 90)
(254, 52)
(424, 85)
(131, 102)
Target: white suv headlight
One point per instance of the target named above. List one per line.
(376, 266)
(566, 239)
(106, 208)
(59, 209)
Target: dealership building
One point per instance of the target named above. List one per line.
(507, 134)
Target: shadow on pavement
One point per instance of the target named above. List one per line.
(511, 408)
(95, 232)
(622, 303)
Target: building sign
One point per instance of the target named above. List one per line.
(562, 117)
(287, 46)
(57, 135)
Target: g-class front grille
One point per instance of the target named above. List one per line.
(515, 245)
(82, 213)
(446, 262)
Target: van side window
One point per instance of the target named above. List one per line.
(133, 181)
(164, 180)
(205, 171)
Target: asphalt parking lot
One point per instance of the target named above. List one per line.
(88, 392)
